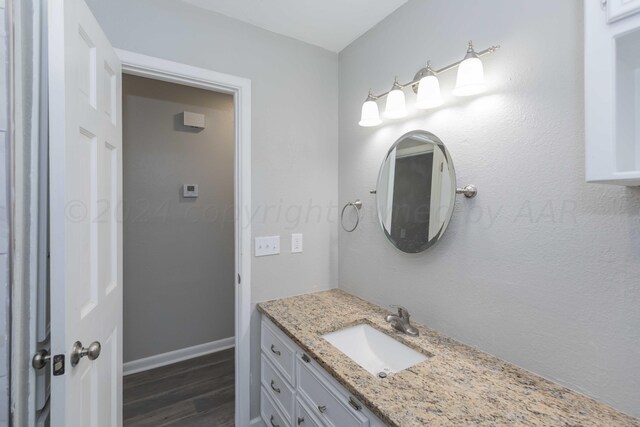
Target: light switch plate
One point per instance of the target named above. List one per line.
(267, 246)
(296, 243)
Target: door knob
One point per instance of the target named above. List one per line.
(40, 359)
(78, 352)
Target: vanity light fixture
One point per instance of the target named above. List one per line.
(396, 107)
(429, 95)
(370, 115)
(470, 81)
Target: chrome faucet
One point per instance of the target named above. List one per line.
(401, 321)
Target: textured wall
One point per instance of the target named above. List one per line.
(541, 269)
(178, 253)
(294, 131)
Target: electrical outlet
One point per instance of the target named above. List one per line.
(296, 243)
(267, 246)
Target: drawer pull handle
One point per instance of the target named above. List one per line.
(274, 351)
(322, 408)
(273, 423)
(273, 387)
(354, 404)
(306, 358)
(300, 420)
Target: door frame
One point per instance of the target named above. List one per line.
(161, 69)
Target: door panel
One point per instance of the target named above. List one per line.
(618, 9)
(86, 232)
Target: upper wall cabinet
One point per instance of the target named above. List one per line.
(612, 91)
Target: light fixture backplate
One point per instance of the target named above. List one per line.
(420, 74)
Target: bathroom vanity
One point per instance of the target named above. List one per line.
(296, 391)
(306, 381)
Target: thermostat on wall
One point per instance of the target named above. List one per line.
(193, 120)
(190, 190)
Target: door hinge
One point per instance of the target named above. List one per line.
(239, 279)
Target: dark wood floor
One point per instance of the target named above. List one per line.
(193, 393)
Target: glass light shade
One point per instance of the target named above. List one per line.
(428, 93)
(395, 107)
(370, 115)
(470, 78)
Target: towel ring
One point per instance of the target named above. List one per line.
(357, 205)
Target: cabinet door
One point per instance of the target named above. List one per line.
(618, 9)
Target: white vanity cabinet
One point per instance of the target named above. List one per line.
(297, 392)
(612, 91)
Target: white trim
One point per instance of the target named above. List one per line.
(257, 421)
(175, 356)
(240, 88)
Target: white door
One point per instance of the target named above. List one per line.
(85, 163)
(618, 9)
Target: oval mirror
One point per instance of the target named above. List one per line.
(416, 191)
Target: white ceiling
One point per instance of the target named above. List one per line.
(331, 24)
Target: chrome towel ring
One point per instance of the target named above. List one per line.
(357, 205)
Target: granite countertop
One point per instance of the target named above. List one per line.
(457, 386)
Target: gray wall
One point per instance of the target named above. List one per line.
(4, 224)
(541, 269)
(178, 252)
(294, 131)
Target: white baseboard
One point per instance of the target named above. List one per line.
(257, 421)
(164, 359)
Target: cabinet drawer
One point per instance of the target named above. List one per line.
(278, 388)
(279, 349)
(271, 415)
(304, 416)
(326, 400)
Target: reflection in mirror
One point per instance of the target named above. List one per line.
(416, 191)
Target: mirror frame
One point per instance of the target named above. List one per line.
(435, 140)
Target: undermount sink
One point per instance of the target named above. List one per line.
(373, 350)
